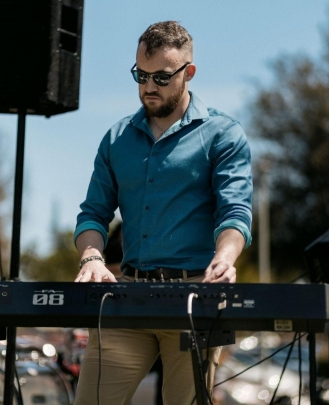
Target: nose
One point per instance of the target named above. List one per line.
(150, 85)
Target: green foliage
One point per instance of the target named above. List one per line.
(4, 195)
(290, 122)
(60, 265)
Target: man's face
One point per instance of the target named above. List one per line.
(161, 101)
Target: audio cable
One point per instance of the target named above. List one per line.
(100, 346)
(262, 360)
(283, 369)
(196, 346)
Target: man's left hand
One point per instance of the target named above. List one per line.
(220, 272)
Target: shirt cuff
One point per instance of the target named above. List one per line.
(90, 226)
(235, 224)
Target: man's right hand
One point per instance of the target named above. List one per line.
(95, 271)
(90, 243)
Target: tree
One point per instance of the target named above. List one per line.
(4, 216)
(289, 120)
(60, 265)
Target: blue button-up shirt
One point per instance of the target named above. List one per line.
(175, 194)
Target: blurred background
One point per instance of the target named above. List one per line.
(266, 64)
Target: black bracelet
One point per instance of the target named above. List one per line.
(90, 258)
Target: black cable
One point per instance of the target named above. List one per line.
(58, 374)
(16, 394)
(19, 391)
(259, 362)
(283, 369)
(300, 369)
(100, 346)
(197, 349)
(316, 281)
(206, 361)
(219, 313)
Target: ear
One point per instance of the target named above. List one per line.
(190, 71)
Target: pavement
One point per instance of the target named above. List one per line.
(145, 394)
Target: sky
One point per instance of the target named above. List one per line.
(234, 41)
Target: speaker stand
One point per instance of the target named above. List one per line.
(312, 365)
(15, 256)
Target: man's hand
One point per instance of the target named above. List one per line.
(95, 271)
(90, 243)
(220, 272)
(221, 269)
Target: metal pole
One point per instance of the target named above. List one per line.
(16, 232)
(312, 364)
(264, 226)
(15, 256)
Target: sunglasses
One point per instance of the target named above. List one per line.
(161, 79)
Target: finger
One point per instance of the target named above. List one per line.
(109, 278)
(213, 274)
(229, 276)
(84, 277)
(221, 274)
(208, 274)
(104, 276)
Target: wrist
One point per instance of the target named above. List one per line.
(90, 258)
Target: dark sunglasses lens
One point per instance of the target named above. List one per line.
(161, 79)
(140, 77)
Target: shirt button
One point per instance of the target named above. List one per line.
(143, 264)
(144, 236)
(154, 153)
(150, 180)
(147, 207)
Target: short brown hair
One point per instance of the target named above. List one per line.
(166, 34)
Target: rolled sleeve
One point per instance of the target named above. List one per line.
(238, 225)
(90, 226)
(232, 182)
(97, 211)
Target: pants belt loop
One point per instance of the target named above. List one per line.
(184, 275)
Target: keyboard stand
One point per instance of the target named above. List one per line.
(204, 339)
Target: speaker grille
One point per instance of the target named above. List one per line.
(40, 54)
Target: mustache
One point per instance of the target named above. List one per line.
(153, 93)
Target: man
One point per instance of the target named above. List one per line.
(181, 175)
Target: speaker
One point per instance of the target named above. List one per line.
(40, 56)
(317, 259)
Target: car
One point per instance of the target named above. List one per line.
(256, 385)
(39, 380)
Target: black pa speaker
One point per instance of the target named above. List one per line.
(317, 259)
(40, 55)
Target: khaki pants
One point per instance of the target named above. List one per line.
(128, 355)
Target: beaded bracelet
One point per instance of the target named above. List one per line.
(88, 259)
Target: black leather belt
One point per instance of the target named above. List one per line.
(162, 273)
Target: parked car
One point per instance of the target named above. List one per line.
(257, 385)
(39, 379)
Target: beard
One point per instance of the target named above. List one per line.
(169, 104)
